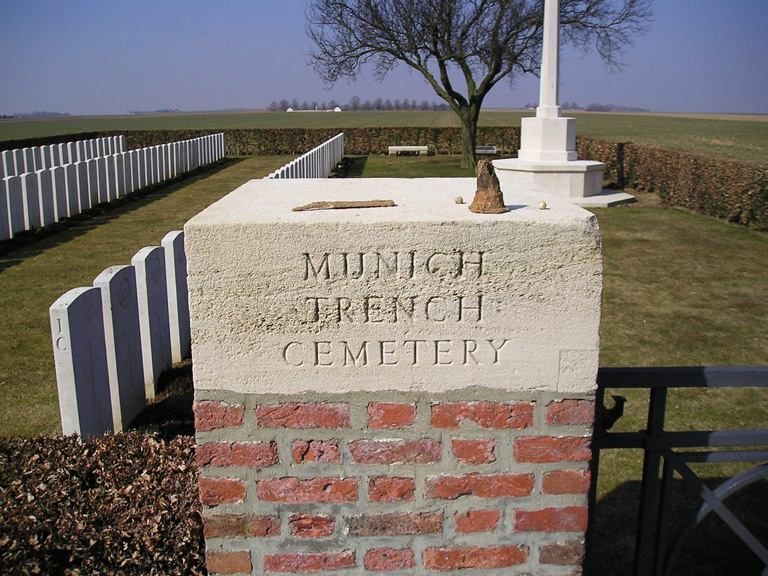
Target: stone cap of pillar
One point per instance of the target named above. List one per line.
(421, 296)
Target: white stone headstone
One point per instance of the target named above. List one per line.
(63, 152)
(15, 192)
(37, 158)
(73, 152)
(123, 339)
(83, 185)
(157, 164)
(31, 201)
(119, 160)
(61, 201)
(132, 171)
(29, 160)
(73, 194)
(8, 163)
(19, 161)
(153, 315)
(54, 155)
(170, 160)
(165, 169)
(45, 193)
(194, 155)
(178, 299)
(93, 181)
(105, 182)
(79, 351)
(5, 224)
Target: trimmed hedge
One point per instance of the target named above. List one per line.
(735, 191)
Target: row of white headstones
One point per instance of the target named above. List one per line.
(40, 197)
(112, 341)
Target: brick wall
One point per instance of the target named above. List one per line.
(394, 482)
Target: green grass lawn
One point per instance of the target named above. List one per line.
(736, 137)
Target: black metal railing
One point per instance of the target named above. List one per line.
(669, 452)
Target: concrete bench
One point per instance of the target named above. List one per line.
(485, 150)
(418, 150)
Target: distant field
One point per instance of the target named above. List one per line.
(738, 137)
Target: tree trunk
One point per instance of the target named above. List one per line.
(469, 116)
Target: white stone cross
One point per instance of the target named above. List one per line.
(550, 61)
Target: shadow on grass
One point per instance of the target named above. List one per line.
(170, 414)
(351, 167)
(31, 243)
(712, 547)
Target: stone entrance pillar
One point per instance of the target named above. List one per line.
(408, 388)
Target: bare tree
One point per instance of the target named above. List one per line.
(450, 42)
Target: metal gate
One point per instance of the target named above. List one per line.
(657, 543)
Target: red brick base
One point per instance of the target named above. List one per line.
(292, 486)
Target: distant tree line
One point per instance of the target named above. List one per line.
(355, 104)
(38, 114)
(594, 107)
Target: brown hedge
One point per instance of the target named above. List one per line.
(727, 189)
(122, 504)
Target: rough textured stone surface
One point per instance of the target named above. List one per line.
(570, 413)
(390, 416)
(257, 455)
(483, 414)
(568, 553)
(297, 491)
(488, 196)
(240, 526)
(215, 491)
(396, 451)
(447, 559)
(566, 482)
(228, 562)
(479, 485)
(386, 559)
(567, 519)
(215, 415)
(548, 449)
(395, 524)
(474, 451)
(311, 525)
(311, 415)
(477, 521)
(307, 563)
(304, 451)
(391, 489)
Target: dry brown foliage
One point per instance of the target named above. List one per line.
(121, 504)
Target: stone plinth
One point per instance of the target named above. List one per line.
(547, 139)
(404, 388)
(572, 179)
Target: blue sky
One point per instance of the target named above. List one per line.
(112, 56)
